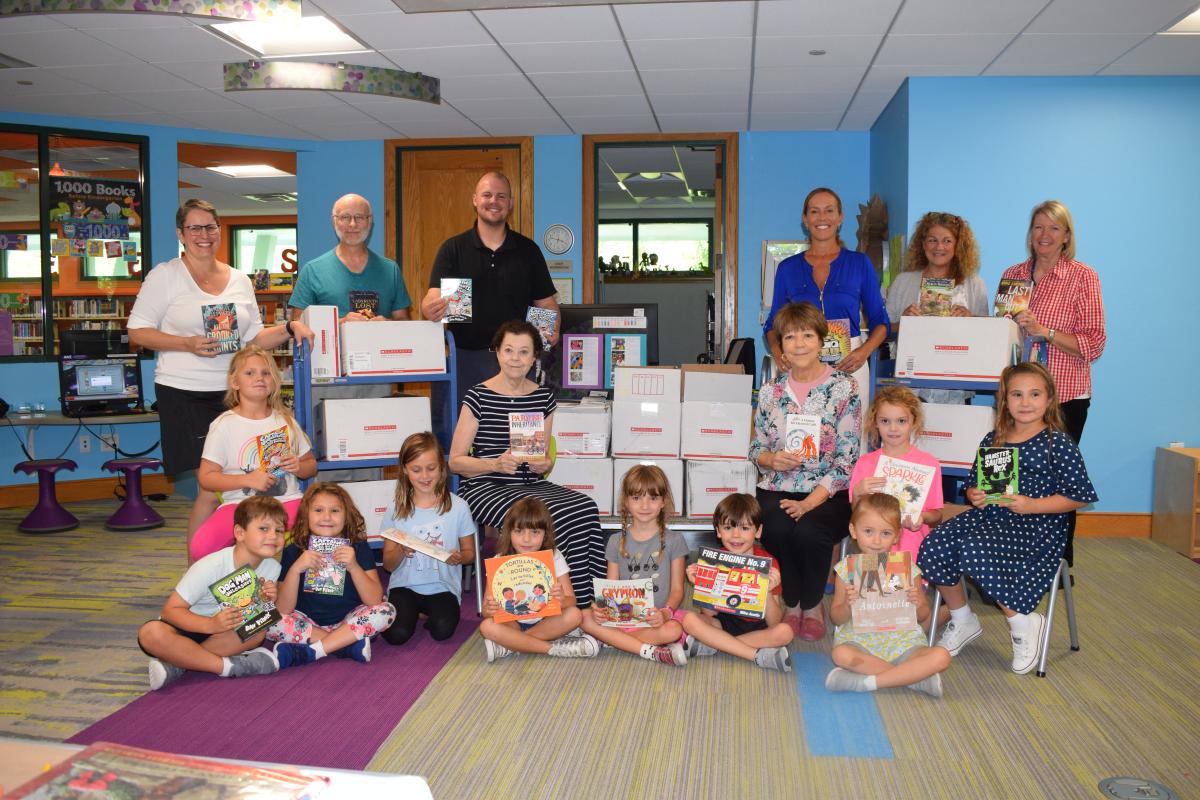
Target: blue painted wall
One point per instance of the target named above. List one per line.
(324, 172)
(558, 197)
(889, 161)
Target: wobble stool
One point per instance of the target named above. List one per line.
(135, 514)
(48, 516)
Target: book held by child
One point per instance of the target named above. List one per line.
(413, 543)
(908, 482)
(520, 585)
(883, 581)
(273, 446)
(996, 472)
(624, 604)
(241, 589)
(330, 578)
(732, 583)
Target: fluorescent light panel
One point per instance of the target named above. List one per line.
(1189, 24)
(307, 36)
(251, 171)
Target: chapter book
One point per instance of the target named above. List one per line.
(416, 543)
(623, 604)
(527, 434)
(883, 581)
(803, 436)
(543, 319)
(520, 585)
(936, 293)
(241, 589)
(105, 770)
(221, 323)
(996, 471)
(906, 481)
(732, 583)
(365, 302)
(330, 577)
(458, 292)
(273, 446)
(837, 341)
(1012, 297)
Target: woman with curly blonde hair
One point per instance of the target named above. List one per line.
(942, 246)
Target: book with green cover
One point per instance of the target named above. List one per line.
(996, 472)
(241, 589)
(935, 297)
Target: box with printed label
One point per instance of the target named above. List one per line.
(716, 415)
(710, 482)
(975, 349)
(582, 430)
(590, 476)
(326, 357)
(953, 432)
(672, 467)
(366, 428)
(653, 384)
(646, 410)
(373, 499)
(393, 347)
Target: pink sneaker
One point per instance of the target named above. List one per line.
(812, 628)
(795, 622)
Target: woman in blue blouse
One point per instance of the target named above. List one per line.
(838, 281)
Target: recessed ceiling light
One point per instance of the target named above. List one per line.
(307, 36)
(1189, 24)
(816, 52)
(251, 171)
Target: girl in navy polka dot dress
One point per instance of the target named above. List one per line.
(1011, 546)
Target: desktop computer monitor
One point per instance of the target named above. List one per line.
(97, 344)
(98, 386)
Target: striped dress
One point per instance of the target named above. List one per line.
(576, 520)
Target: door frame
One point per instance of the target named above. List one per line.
(727, 315)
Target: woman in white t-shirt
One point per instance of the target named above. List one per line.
(196, 312)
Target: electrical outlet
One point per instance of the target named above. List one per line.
(109, 443)
(85, 444)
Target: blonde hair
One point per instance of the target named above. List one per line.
(413, 448)
(1060, 215)
(528, 513)
(900, 396)
(966, 251)
(355, 529)
(1004, 422)
(885, 505)
(646, 479)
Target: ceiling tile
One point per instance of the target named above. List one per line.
(619, 104)
(886, 80)
(336, 131)
(395, 30)
(268, 100)
(195, 100)
(320, 117)
(86, 21)
(1160, 55)
(816, 79)
(81, 105)
(390, 109)
(208, 74)
(450, 62)
(695, 81)
(614, 123)
(825, 17)
(941, 50)
(62, 48)
(765, 121)
(722, 103)
(793, 51)
(340, 7)
(800, 102)
(583, 84)
(525, 126)
(1111, 16)
(45, 81)
(870, 103)
(589, 56)
(1052, 53)
(965, 17)
(149, 79)
(243, 121)
(678, 123)
(722, 53)
(556, 24)
(417, 128)
(171, 44)
(363, 58)
(29, 23)
(685, 20)
(481, 86)
(503, 108)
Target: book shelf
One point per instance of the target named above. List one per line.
(1176, 518)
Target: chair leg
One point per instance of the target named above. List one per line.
(1058, 575)
(478, 573)
(933, 618)
(1069, 598)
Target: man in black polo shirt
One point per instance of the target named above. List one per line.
(508, 274)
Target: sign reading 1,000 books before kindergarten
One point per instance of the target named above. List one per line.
(94, 208)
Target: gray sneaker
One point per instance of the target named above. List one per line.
(696, 648)
(955, 637)
(583, 646)
(162, 673)
(495, 651)
(931, 686)
(774, 658)
(259, 661)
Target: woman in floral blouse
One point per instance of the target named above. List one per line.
(803, 486)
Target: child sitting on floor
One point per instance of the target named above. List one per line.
(738, 523)
(867, 661)
(193, 632)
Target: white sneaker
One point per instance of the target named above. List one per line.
(1028, 647)
(582, 646)
(495, 650)
(955, 636)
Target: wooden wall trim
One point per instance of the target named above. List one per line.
(1113, 523)
(24, 495)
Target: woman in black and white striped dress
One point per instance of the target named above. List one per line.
(495, 478)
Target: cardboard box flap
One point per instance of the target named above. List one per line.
(717, 387)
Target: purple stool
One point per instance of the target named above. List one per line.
(48, 516)
(135, 514)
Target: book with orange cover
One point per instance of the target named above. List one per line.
(520, 584)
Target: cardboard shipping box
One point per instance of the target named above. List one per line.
(373, 499)
(952, 432)
(393, 347)
(582, 430)
(974, 349)
(710, 482)
(716, 415)
(672, 467)
(590, 476)
(325, 361)
(367, 428)
(646, 409)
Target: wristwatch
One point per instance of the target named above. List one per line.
(1050, 335)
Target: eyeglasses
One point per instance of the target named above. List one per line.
(357, 219)
(196, 230)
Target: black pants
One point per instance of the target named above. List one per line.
(803, 547)
(1075, 414)
(440, 610)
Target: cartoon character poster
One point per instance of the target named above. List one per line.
(94, 208)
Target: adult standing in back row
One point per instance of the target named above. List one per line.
(508, 274)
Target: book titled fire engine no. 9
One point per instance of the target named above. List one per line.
(996, 472)
(732, 583)
(241, 589)
(520, 585)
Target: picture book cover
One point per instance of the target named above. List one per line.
(907, 481)
(527, 434)
(105, 770)
(458, 292)
(936, 293)
(221, 323)
(422, 546)
(837, 341)
(520, 585)
(623, 350)
(883, 581)
(1012, 297)
(803, 436)
(365, 302)
(273, 446)
(543, 319)
(331, 577)
(732, 583)
(241, 589)
(282, 280)
(582, 356)
(112, 249)
(262, 280)
(624, 604)
(996, 472)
